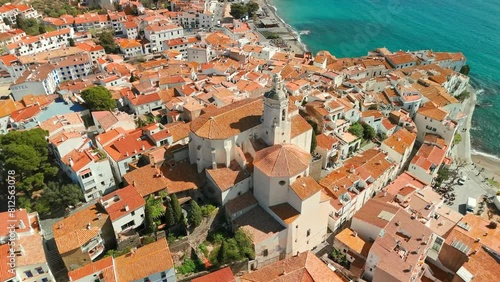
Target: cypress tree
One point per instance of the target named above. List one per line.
(169, 215)
(176, 208)
(195, 215)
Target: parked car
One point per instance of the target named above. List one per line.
(461, 180)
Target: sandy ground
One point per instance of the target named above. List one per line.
(491, 166)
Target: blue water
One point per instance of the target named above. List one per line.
(349, 28)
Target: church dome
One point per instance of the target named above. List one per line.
(282, 160)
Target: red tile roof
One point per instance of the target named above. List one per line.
(221, 275)
(282, 160)
(150, 259)
(94, 267)
(301, 268)
(222, 123)
(124, 197)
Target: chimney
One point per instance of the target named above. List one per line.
(71, 163)
(354, 234)
(133, 183)
(88, 226)
(477, 240)
(143, 148)
(126, 207)
(351, 169)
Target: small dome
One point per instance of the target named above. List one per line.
(282, 160)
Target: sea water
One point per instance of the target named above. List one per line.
(350, 28)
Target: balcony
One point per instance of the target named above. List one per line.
(88, 182)
(92, 244)
(94, 253)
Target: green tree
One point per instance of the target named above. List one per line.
(443, 174)
(251, 8)
(244, 243)
(222, 255)
(368, 131)
(71, 42)
(356, 129)
(457, 138)
(149, 222)
(194, 215)
(26, 153)
(58, 195)
(339, 257)
(465, 70)
(169, 214)
(98, 98)
(30, 26)
(6, 21)
(238, 11)
(107, 41)
(176, 208)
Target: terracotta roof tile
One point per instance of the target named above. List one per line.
(222, 275)
(258, 224)
(299, 125)
(303, 267)
(120, 198)
(305, 187)
(71, 232)
(222, 123)
(94, 267)
(354, 242)
(282, 160)
(227, 177)
(147, 260)
(181, 177)
(146, 180)
(400, 141)
(286, 212)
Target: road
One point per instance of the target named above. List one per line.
(463, 149)
(474, 187)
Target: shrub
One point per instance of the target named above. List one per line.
(207, 210)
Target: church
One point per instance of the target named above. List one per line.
(260, 148)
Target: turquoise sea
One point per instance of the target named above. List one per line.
(349, 28)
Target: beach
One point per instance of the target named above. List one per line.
(290, 36)
(490, 164)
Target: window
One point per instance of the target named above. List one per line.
(39, 270)
(163, 274)
(308, 232)
(282, 182)
(265, 253)
(28, 273)
(437, 244)
(133, 213)
(87, 175)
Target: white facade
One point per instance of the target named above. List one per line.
(31, 83)
(446, 129)
(160, 32)
(95, 178)
(44, 42)
(199, 54)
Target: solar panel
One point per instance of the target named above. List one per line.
(385, 215)
(460, 246)
(464, 225)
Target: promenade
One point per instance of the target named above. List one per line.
(463, 149)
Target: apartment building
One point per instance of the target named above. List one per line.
(29, 45)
